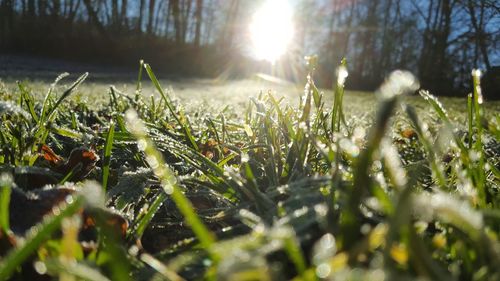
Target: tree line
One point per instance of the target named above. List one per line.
(439, 40)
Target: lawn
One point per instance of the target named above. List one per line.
(246, 180)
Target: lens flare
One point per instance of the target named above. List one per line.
(271, 30)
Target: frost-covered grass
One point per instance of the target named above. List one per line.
(330, 185)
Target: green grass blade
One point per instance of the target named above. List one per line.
(397, 84)
(36, 236)
(292, 247)
(164, 95)
(138, 87)
(425, 263)
(28, 100)
(6, 183)
(79, 271)
(337, 112)
(425, 138)
(168, 102)
(67, 133)
(470, 119)
(168, 180)
(107, 155)
(478, 145)
(438, 107)
(160, 267)
(70, 174)
(46, 100)
(144, 221)
(67, 93)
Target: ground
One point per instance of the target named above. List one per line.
(224, 181)
(39, 73)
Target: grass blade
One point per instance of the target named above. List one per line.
(337, 111)
(478, 145)
(67, 93)
(168, 180)
(107, 155)
(148, 216)
(37, 235)
(168, 102)
(398, 83)
(46, 100)
(160, 267)
(28, 100)
(75, 270)
(138, 87)
(6, 182)
(424, 137)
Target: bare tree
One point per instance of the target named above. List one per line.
(6, 21)
(114, 14)
(433, 62)
(199, 19)
(123, 14)
(478, 25)
(140, 18)
(93, 18)
(185, 16)
(369, 28)
(229, 28)
(151, 11)
(177, 21)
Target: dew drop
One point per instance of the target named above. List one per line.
(169, 189)
(142, 144)
(40, 267)
(323, 270)
(152, 161)
(476, 72)
(342, 75)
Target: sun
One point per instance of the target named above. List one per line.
(271, 30)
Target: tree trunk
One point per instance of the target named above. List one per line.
(185, 18)
(31, 9)
(367, 53)
(434, 64)
(348, 32)
(23, 7)
(56, 8)
(198, 16)
(229, 26)
(480, 33)
(123, 15)
(209, 25)
(177, 22)
(9, 14)
(157, 16)
(114, 14)
(168, 12)
(6, 22)
(141, 15)
(387, 37)
(42, 8)
(94, 19)
(151, 11)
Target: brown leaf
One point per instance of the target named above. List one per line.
(79, 156)
(49, 155)
(28, 209)
(409, 133)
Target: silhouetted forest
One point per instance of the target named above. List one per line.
(439, 40)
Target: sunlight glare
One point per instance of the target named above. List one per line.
(271, 29)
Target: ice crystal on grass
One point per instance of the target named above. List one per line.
(448, 208)
(398, 83)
